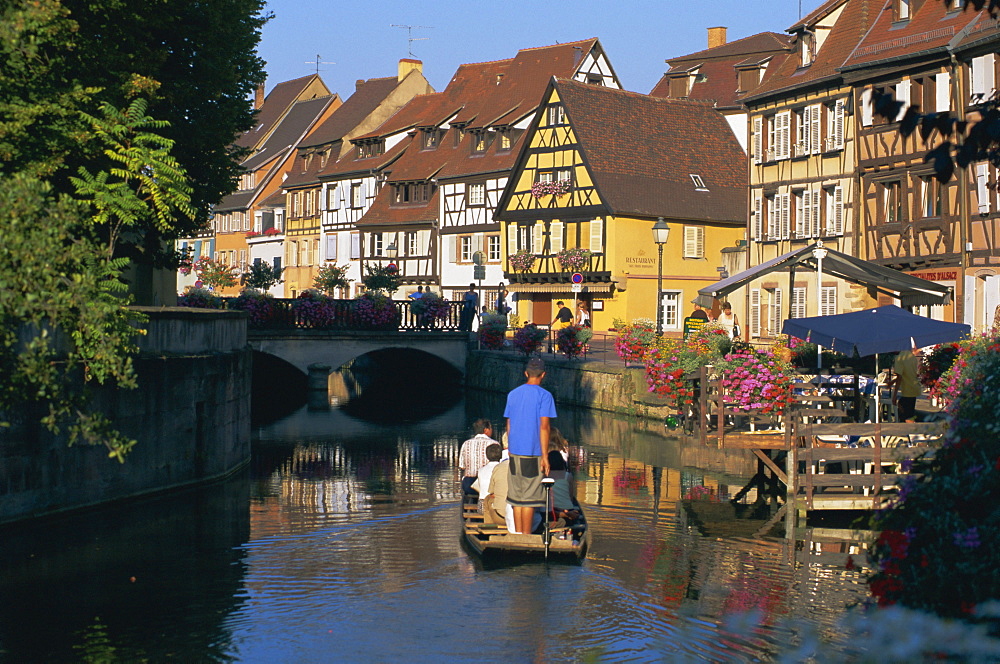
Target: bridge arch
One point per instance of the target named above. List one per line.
(304, 348)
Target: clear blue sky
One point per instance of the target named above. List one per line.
(637, 34)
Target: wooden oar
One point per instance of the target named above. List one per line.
(547, 483)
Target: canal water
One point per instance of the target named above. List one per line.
(341, 544)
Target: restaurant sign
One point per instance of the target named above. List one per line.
(937, 275)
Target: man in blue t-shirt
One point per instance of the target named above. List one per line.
(529, 409)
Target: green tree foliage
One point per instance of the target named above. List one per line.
(215, 274)
(261, 276)
(331, 277)
(381, 279)
(62, 324)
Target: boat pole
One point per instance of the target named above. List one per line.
(547, 483)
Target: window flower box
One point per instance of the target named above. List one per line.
(552, 188)
(522, 261)
(574, 260)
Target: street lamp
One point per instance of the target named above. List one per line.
(660, 234)
(391, 251)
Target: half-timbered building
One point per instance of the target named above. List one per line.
(264, 171)
(486, 133)
(935, 58)
(373, 102)
(597, 168)
(802, 167)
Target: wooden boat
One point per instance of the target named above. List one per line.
(487, 539)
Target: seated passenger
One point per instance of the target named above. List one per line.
(563, 491)
(493, 454)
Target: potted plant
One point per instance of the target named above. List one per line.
(259, 306)
(200, 298)
(574, 260)
(375, 311)
(529, 339)
(314, 309)
(329, 278)
(492, 331)
(522, 260)
(634, 339)
(553, 188)
(430, 307)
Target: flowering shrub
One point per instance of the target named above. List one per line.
(574, 260)
(634, 340)
(215, 274)
(259, 305)
(554, 188)
(957, 377)
(529, 339)
(936, 362)
(756, 381)
(667, 365)
(431, 307)
(268, 232)
(200, 298)
(314, 309)
(570, 341)
(251, 234)
(331, 277)
(492, 331)
(375, 311)
(522, 260)
(939, 546)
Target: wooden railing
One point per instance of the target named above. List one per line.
(344, 317)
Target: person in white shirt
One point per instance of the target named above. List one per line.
(472, 456)
(493, 452)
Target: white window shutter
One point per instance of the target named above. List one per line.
(597, 235)
(355, 245)
(755, 312)
(775, 322)
(801, 210)
(838, 210)
(903, 95)
(538, 237)
(511, 239)
(817, 197)
(838, 123)
(757, 226)
(701, 241)
(783, 134)
(758, 139)
(942, 92)
(331, 247)
(785, 216)
(867, 112)
(690, 242)
(556, 236)
(982, 191)
(815, 130)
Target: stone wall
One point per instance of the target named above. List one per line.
(190, 416)
(575, 383)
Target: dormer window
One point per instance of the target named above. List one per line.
(901, 10)
(679, 87)
(699, 184)
(370, 148)
(431, 138)
(749, 79)
(807, 48)
(481, 140)
(412, 192)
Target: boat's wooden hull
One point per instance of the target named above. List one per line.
(489, 540)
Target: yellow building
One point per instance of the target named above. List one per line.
(803, 155)
(597, 170)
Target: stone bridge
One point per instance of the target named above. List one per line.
(303, 348)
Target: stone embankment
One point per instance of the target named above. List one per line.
(190, 415)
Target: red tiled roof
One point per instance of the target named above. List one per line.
(930, 27)
(519, 91)
(717, 65)
(275, 105)
(349, 164)
(642, 151)
(854, 21)
(366, 98)
(384, 213)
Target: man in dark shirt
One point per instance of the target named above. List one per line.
(563, 317)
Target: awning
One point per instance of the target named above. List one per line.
(602, 288)
(911, 291)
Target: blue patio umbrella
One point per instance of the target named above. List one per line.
(871, 331)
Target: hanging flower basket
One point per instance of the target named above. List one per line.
(522, 261)
(554, 188)
(574, 260)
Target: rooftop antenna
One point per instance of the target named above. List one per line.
(409, 35)
(319, 61)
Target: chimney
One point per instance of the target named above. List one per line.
(258, 97)
(716, 37)
(358, 84)
(406, 65)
